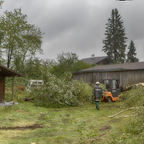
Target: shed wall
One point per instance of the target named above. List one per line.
(126, 77)
(2, 89)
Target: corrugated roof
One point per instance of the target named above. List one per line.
(8, 72)
(115, 67)
(93, 60)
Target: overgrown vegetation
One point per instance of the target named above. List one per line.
(68, 62)
(19, 94)
(82, 124)
(24, 123)
(43, 122)
(133, 130)
(62, 92)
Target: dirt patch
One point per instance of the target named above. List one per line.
(35, 126)
(56, 110)
(65, 120)
(106, 127)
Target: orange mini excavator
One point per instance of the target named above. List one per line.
(113, 90)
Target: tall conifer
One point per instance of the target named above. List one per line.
(131, 55)
(115, 38)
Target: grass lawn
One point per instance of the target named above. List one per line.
(25, 124)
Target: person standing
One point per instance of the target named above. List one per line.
(97, 93)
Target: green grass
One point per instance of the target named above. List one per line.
(73, 125)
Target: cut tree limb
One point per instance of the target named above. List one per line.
(121, 112)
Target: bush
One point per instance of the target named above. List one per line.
(134, 97)
(19, 96)
(62, 92)
(133, 130)
(17, 81)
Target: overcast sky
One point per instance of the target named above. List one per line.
(78, 26)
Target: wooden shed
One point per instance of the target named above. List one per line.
(6, 72)
(127, 73)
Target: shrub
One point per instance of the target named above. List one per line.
(134, 97)
(62, 92)
(19, 96)
(133, 130)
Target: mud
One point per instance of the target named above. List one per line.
(35, 126)
(106, 127)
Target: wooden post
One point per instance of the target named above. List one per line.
(12, 88)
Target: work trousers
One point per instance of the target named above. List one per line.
(97, 105)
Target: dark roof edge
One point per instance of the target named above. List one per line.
(9, 70)
(103, 70)
(99, 70)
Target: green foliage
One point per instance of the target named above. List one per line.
(32, 68)
(20, 39)
(68, 62)
(17, 81)
(86, 131)
(134, 97)
(131, 55)
(133, 130)
(65, 62)
(115, 40)
(85, 91)
(136, 125)
(59, 126)
(35, 68)
(80, 65)
(19, 95)
(62, 92)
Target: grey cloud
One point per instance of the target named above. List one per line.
(79, 25)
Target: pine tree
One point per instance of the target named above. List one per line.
(115, 40)
(132, 53)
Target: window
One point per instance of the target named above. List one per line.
(115, 84)
(107, 84)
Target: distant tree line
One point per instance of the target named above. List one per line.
(115, 41)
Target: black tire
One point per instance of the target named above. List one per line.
(109, 99)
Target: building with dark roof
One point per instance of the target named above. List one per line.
(96, 60)
(6, 72)
(127, 73)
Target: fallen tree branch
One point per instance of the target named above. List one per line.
(28, 99)
(121, 112)
(126, 116)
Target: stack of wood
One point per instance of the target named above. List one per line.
(133, 86)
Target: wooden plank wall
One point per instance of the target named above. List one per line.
(126, 78)
(2, 89)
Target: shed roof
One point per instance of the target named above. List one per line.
(115, 67)
(94, 60)
(8, 72)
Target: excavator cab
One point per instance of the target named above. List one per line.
(113, 90)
